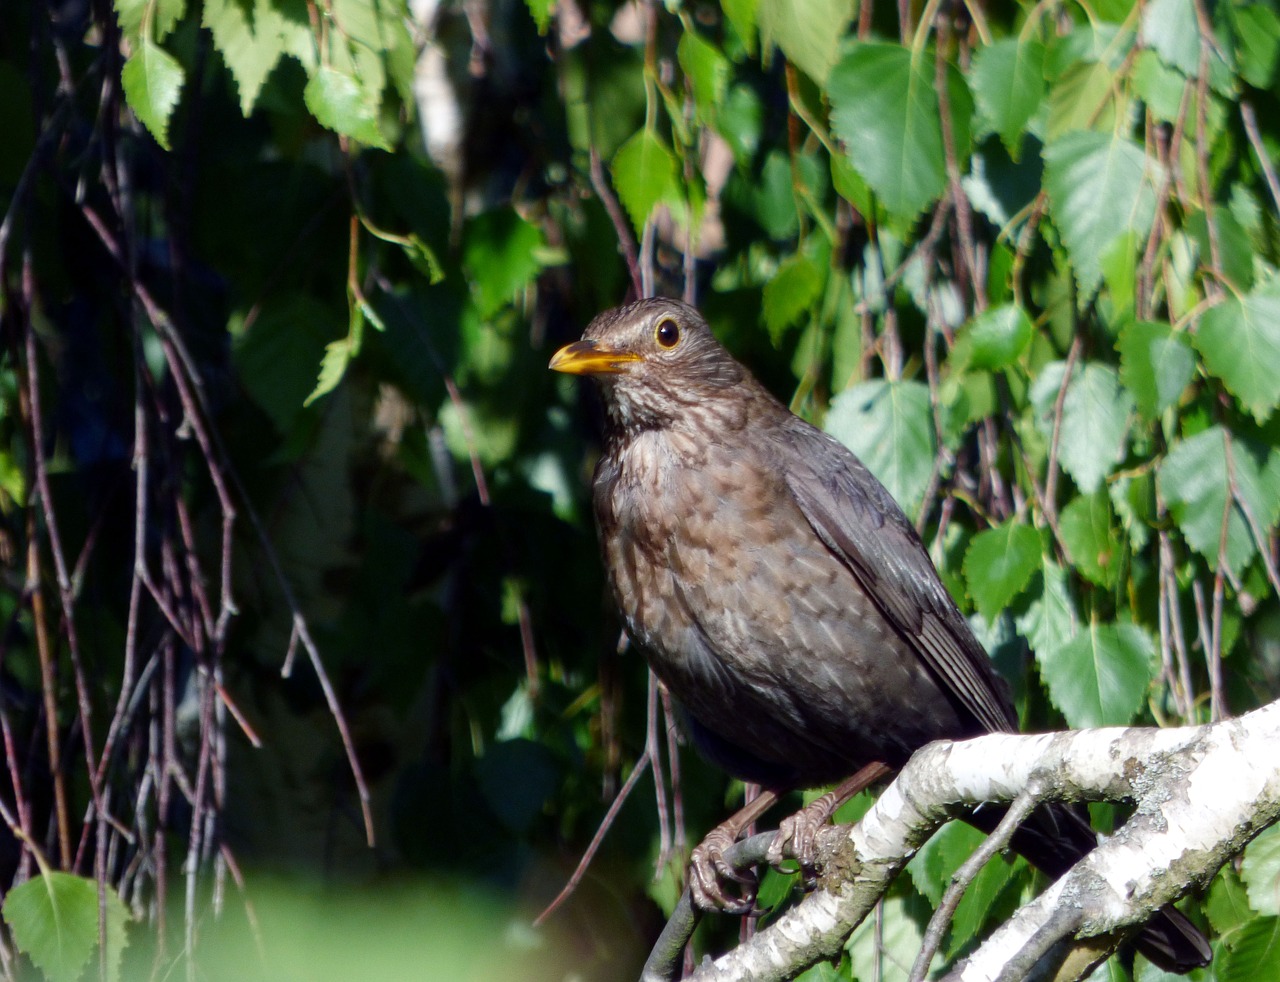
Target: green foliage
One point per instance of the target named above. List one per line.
(1101, 676)
(54, 920)
(890, 426)
(999, 564)
(152, 80)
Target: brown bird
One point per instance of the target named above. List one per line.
(780, 593)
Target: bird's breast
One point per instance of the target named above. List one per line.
(750, 620)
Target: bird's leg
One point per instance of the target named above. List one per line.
(708, 870)
(798, 834)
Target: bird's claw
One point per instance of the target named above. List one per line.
(710, 873)
(797, 839)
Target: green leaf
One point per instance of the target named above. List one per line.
(892, 939)
(644, 172)
(1100, 186)
(790, 293)
(1050, 618)
(933, 866)
(1257, 31)
(1095, 419)
(1156, 365)
(250, 42)
(276, 357)
(808, 33)
(889, 425)
(996, 337)
(1228, 904)
(500, 254)
(999, 564)
(1260, 871)
(1089, 538)
(742, 15)
(1239, 340)
(54, 920)
(1193, 481)
(707, 70)
(165, 15)
(1101, 676)
(152, 81)
(1158, 85)
(1253, 955)
(340, 103)
(1084, 98)
(885, 110)
(1169, 27)
(540, 10)
(337, 356)
(1008, 83)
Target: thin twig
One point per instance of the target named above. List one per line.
(620, 227)
(605, 824)
(963, 878)
(1250, 121)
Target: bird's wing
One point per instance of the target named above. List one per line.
(861, 523)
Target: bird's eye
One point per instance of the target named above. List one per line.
(667, 333)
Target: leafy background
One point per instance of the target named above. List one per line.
(307, 667)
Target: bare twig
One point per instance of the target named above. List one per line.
(605, 824)
(963, 878)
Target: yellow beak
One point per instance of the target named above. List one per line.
(588, 358)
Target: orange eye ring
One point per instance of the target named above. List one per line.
(667, 333)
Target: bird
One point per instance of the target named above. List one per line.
(780, 593)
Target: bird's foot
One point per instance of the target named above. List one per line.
(797, 836)
(710, 874)
(797, 839)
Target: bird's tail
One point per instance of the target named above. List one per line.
(1055, 837)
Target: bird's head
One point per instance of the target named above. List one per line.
(654, 359)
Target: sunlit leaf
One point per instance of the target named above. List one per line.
(1083, 98)
(742, 14)
(165, 15)
(500, 252)
(1050, 619)
(250, 41)
(644, 171)
(1193, 479)
(341, 103)
(1258, 33)
(890, 426)
(996, 337)
(1101, 676)
(789, 293)
(999, 564)
(1100, 186)
(54, 920)
(1156, 365)
(1170, 28)
(885, 110)
(1260, 872)
(1239, 340)
(1090, 539)
(152, 80)
(1008, 83)
(1095, 419)
(333, 366)
(1228, 902)
(1253, 955)
(707, 70)
(541, 11)
(892, 938)
(808, 33)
